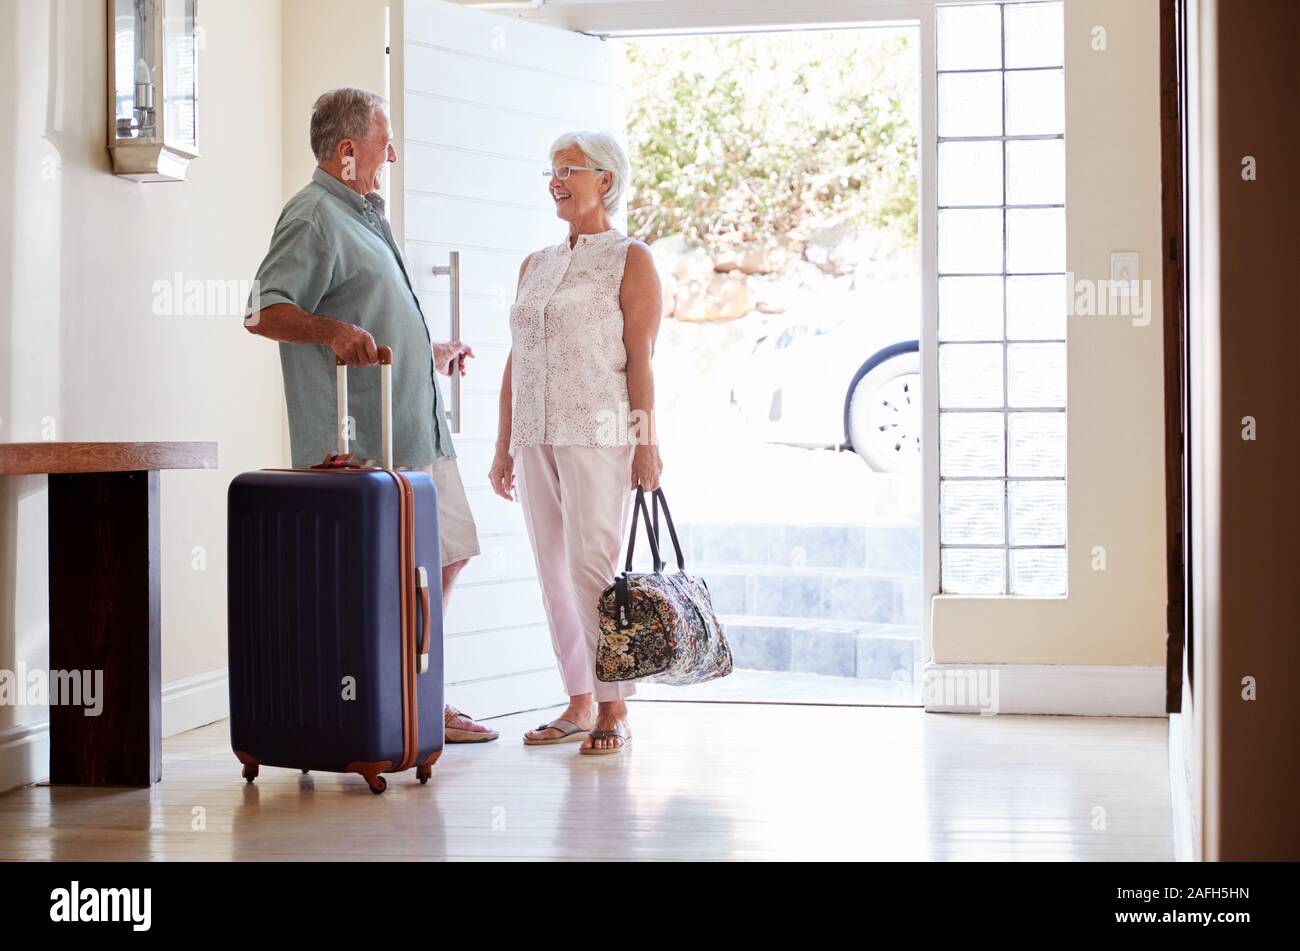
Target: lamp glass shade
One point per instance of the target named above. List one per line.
(180, 51)
(135, 70)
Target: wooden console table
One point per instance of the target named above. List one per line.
(106, 597)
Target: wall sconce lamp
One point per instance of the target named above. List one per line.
(153, 88)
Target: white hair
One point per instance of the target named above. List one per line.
(603, 152)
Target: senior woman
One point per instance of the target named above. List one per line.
(576, 431)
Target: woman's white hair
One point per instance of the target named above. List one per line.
(603, 152)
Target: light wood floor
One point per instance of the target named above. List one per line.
(700, 781)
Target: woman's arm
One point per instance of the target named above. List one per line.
(641, 299)
(502, 474)
(504, 404)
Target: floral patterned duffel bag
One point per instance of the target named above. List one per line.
(659, 626)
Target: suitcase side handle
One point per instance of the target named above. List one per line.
(426, 618)
(385, 404)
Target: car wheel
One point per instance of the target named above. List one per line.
(882, 410)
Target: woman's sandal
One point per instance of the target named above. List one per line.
(570, 730)
(620, 730)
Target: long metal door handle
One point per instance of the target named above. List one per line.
(452, 270)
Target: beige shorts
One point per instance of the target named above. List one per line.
(458, 535)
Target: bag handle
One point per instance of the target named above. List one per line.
(639, 506)
(385, 404)
(659, 499)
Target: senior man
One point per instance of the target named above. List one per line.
(334, 282)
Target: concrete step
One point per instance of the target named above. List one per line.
(832, 648)
(831, 594)
(894, 547)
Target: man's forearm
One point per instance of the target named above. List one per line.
(289, 323)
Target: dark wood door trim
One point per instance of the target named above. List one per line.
(1173, 102)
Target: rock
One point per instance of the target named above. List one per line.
(682, 259)
(668, 283)
(833, 249)
(722, 297)
(763, 256)
(727, 257)
(773, 293)
(842, 249)
(806, 275)
(666, 251)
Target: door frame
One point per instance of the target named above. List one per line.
(684, 17)
(1178, 433)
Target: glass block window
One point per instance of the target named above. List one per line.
(1001, 257)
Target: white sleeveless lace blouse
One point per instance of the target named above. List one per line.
(569, 366)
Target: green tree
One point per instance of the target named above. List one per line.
(747, 136)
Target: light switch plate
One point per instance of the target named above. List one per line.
(1123, 266)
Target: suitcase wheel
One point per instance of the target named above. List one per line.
(422, 773)
(306, 771)
(377, 785)
(250, 772)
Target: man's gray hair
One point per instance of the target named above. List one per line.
(603, 152)
(339, 114)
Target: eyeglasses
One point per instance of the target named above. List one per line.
(564, 171)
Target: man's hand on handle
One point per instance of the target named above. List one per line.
(354, 346)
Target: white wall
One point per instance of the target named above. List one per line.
(326, 44)
(1115, 467)
(80, 251)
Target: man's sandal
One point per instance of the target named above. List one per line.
(620, 730)
(453, 734)
(570, 731)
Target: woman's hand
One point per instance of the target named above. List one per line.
(502, 474)
(647, 467)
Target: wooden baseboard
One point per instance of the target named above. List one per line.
(1059, 689)
(186, 704)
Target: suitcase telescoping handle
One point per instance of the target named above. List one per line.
(386, 440)
(385, 404)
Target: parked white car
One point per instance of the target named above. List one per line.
(845, 376)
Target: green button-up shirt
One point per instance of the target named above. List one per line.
(333, 254)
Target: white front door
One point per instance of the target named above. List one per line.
(477, 100)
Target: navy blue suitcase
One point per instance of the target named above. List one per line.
(335, 616)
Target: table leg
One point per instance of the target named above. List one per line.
(105, 604)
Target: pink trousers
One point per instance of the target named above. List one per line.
(576, 501)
